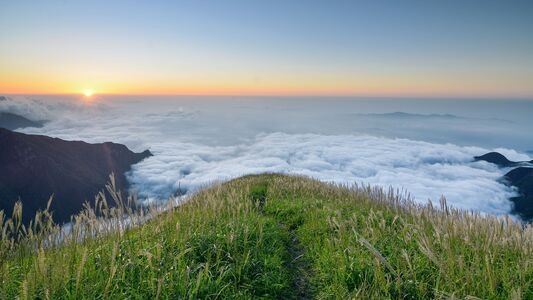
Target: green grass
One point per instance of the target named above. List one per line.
(274, 236)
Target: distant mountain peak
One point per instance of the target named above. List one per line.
(13, 121)
(497, 159)
(402, 114)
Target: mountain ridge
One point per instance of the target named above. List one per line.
(34, 167)
(13, 121)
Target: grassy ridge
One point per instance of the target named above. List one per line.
(276, 236)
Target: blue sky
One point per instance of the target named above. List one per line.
(463, 48)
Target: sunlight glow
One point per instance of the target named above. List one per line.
(88, 93)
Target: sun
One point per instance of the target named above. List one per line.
(88, 93)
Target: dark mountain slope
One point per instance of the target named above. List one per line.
(522, 178)
(12, 121)
(500, 160)
(34, 167)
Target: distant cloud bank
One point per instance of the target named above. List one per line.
(195, 144)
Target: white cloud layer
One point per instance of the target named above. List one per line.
(198, 142)
(425, 170)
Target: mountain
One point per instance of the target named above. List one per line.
(12, 121)
(401, 114)
(500, 160)
(33, 167)
(522, 178)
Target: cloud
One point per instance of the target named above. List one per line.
(425, 170)
(41, 110)
(198, 142)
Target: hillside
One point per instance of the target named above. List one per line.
(276, 236)
(35, 167)
(521, 177)
(12, 121)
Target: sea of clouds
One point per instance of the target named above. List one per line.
(199, 141)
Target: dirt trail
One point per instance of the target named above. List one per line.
(300, 268)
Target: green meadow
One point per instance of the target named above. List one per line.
(268, 236)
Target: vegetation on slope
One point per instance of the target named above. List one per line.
(270, 236)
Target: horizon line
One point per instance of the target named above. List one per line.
(458, 97)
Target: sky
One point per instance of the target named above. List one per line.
(341, 48)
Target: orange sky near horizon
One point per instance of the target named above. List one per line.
(267, 48)
(302, 85)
